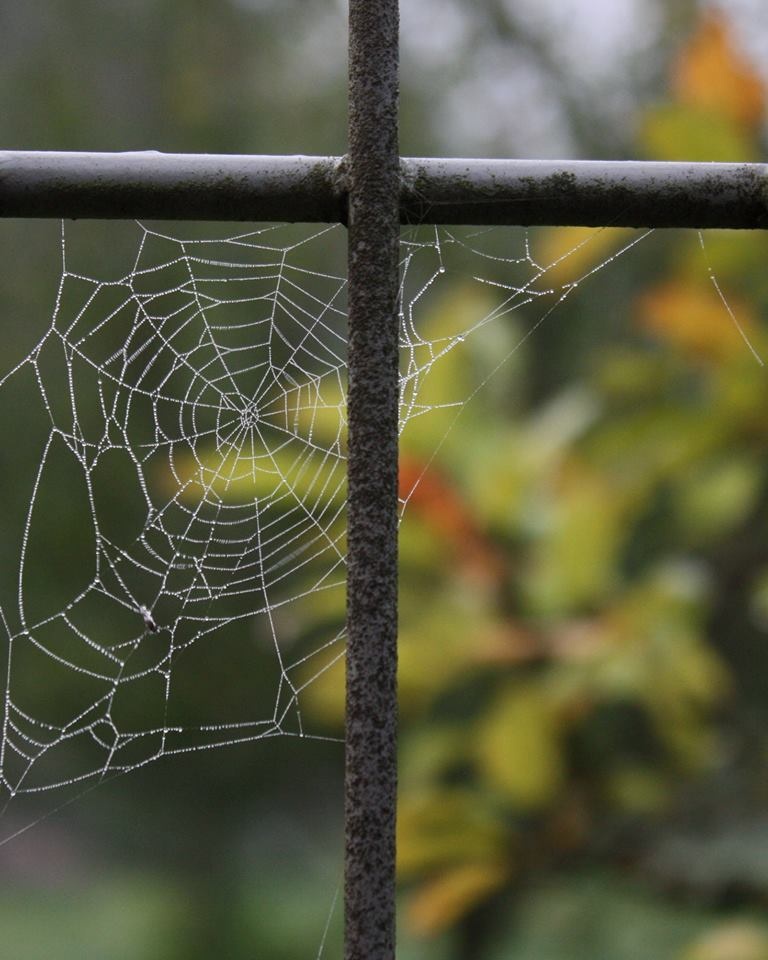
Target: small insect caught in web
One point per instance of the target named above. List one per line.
(149, 620)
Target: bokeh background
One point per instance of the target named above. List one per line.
(584, 566)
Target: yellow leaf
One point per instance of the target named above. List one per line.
(713, 74)
(440, 828)
(637, 789)
(519, 749)
(573, 562)
(438, 369)
(436, 639)
(737, 258)
(293, 473)
(678, 131)
(443, 901)
(568, 253)
(737, 940)
(322, 686)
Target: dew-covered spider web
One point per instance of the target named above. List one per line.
(174, 538)
(186, 507)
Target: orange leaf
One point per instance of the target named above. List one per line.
(432, 497)
(694, 318)
(713, 74)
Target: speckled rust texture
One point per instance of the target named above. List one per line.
(371, 725)
(589, 193)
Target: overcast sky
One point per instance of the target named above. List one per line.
(500, 106)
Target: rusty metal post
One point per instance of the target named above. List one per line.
(371, 712)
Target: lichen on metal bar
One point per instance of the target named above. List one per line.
(585, 193)
(152, 185)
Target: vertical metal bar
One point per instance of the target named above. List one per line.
(371, 713)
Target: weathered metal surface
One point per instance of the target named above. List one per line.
(371, 712)
(153, 185)
(167, 186)
(585, 192)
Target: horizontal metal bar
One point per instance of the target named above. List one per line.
(586, 193)
(151, 185)
(171, 186)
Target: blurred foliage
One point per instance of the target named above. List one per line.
(581, 577)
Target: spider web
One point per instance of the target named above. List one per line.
(178, 559)
(191, 422)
